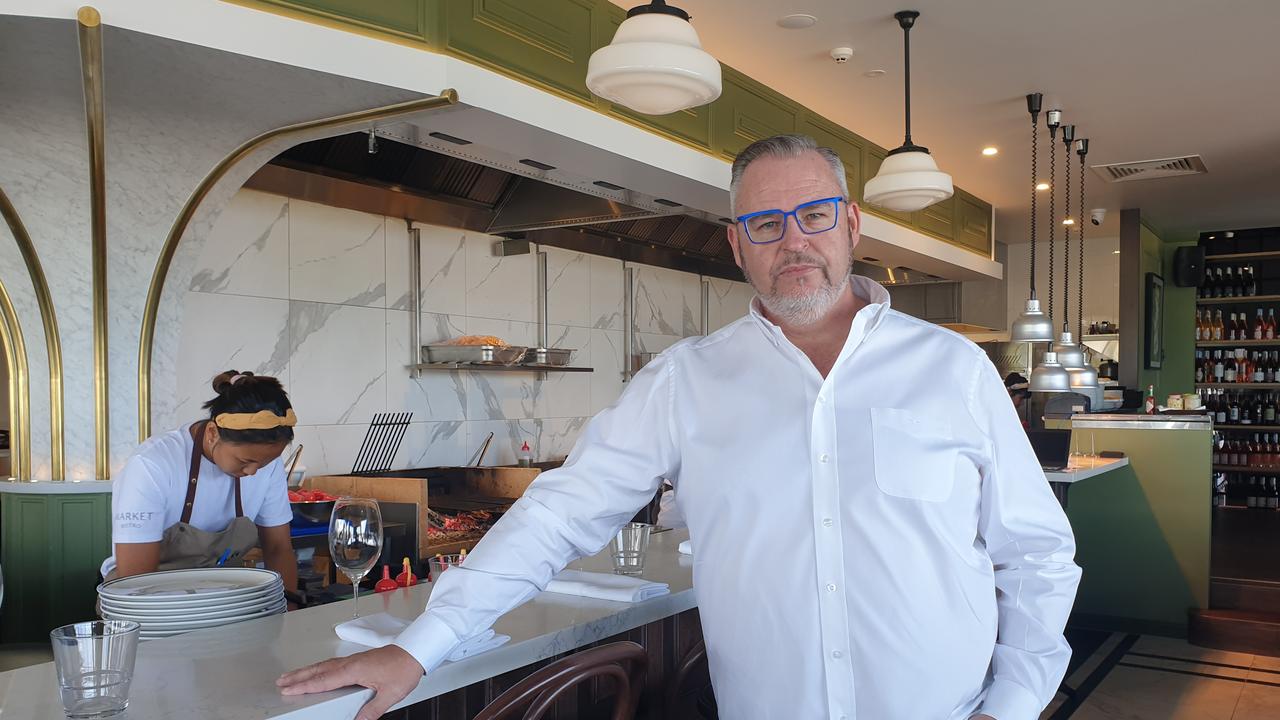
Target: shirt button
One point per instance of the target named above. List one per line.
(837, 654)
(824, 457)
(831, 587)
(828, 522)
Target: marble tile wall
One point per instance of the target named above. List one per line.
(319, 296)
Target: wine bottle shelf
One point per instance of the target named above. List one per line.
(1245, 300)
(1246, 469)
(1237, 343)
(1247, 428)
(1243, 256)
(1240, 386)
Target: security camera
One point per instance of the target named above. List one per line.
(1097, 215)
(841, 54)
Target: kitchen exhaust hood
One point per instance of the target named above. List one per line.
(437, 178)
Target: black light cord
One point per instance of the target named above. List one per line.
(1035, 135)
(1066, 242)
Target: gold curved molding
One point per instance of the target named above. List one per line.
(89, 31)
(15, 357)
(169, 249)
(53, 344)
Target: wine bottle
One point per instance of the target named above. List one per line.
(1230, 369)
(1229, 284)
(1259, 326)
(1269, 331)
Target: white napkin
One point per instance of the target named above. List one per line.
(382, 629)
(606, 586)
(685, 548)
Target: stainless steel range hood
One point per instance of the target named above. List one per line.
(432, 177)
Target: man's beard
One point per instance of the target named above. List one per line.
(803, 307)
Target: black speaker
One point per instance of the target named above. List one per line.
(1188, 266)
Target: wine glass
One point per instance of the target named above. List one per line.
(355, 541)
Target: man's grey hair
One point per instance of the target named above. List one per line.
(783, 146)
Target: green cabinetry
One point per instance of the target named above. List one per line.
(548, 43)
(51, 547)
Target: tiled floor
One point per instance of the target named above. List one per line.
(1130, 677)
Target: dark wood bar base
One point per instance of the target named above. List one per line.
(667, 695)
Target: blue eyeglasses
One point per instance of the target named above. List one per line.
(768, 226)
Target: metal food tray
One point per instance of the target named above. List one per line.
(548, 357)
(472, 354)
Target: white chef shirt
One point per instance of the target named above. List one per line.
(880, 544)
(148, 494)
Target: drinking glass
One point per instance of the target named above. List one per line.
(629, 547)
(355, 541)
(95, 661)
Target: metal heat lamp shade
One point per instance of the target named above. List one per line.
(1050, 376)
(908, 179)
(1032, 325)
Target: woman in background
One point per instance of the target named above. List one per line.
(206, 493)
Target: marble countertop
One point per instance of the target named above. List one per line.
(229, 673)
(1083, 468)
(47, 487)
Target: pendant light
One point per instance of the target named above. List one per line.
(655, 64)
(1049, 375)
(908, 179)
(1033, 325)
(1085, 376)
(1071, 354)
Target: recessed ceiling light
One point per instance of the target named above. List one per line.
(1213, 237)
(1042, 186)
(1069, 221)
(989, 151)
(797, 21)
(1115, 252)
(874, 73)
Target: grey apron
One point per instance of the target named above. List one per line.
(184, 545)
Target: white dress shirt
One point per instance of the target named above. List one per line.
(880, 544)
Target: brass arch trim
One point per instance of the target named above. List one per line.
(169, 249)
(89, 32)
(15, 357)
(53, 345)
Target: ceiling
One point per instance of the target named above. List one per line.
(1142, 79)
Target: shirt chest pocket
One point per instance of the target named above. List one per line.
(915, 457)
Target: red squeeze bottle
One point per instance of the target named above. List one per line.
(406, 577)
(386, 583)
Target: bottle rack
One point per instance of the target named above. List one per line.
(1245, 467)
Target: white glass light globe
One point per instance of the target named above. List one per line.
(655, 66)
(908, 181)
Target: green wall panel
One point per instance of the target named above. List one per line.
(746, 112)
(1143, 531)
(51, 547)
(846, 144)
(401, 17)
(973, 222)
(938, 219)
(545, 41)
(548, 43)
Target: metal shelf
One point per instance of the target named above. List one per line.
(471, 367)
(1238, 300)
(1237, 343)
(1241, 386)
(1243, 256)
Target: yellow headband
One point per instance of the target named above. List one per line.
(261, 420)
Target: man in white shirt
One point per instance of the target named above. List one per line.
(918, 564)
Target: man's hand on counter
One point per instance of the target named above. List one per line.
(390, 672)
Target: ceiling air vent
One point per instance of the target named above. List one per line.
(1151, 169)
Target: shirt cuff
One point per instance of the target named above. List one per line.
(1007, 700)
(429, 640)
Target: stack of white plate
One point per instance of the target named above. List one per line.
(177, 601)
